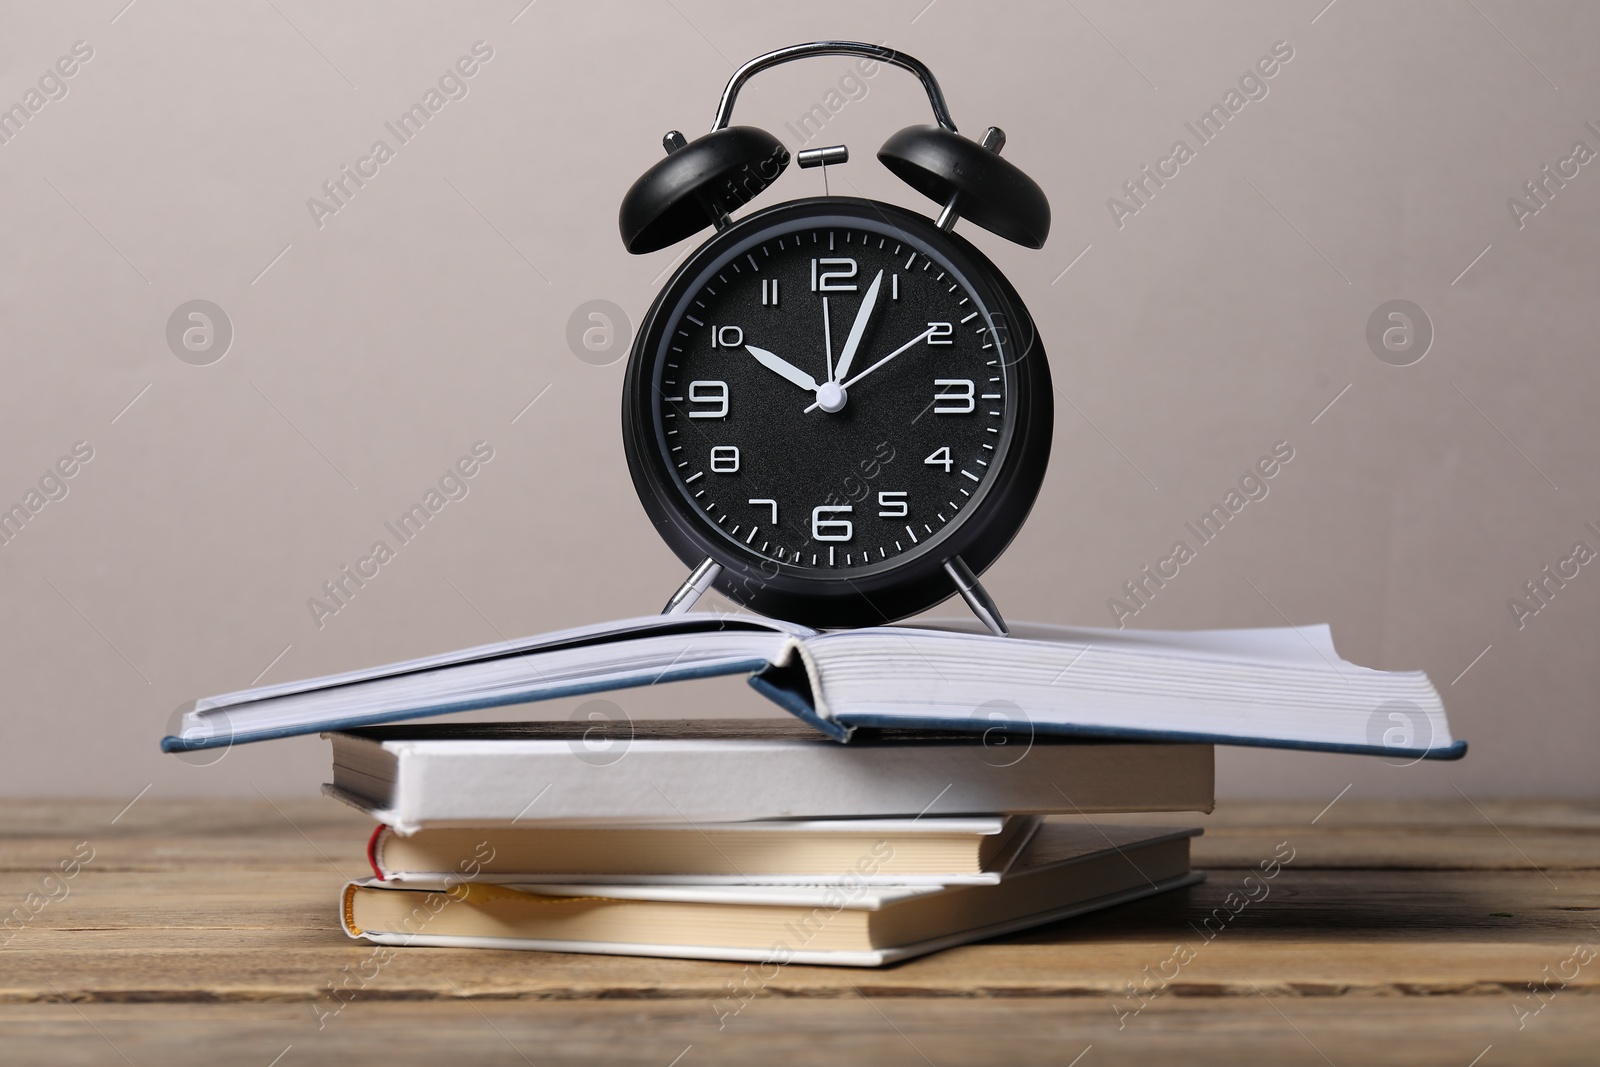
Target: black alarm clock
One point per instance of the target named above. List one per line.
(837, 412)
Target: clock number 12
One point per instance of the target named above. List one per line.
(833, 275)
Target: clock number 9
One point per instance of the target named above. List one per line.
(709, 393)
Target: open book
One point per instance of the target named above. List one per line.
(1283, 688)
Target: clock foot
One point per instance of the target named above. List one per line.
(694, 587)
(976, 596)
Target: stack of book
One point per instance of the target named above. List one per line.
(749, 840)
(885, 820)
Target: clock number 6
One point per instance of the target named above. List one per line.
(826, 529)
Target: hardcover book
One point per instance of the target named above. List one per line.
(1284, 688)
(1067, 870)
(701, 771)
(916, 851)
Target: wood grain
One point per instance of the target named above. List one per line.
(1399, 933)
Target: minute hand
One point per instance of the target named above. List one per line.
(847, 354)
(923, 336)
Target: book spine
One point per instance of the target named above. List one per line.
(374, 851)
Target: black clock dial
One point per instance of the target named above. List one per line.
(832, 397)
(832, 394)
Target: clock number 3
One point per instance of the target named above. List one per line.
(956, 396)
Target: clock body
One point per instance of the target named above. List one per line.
(831, 398)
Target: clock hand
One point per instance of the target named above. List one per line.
(923, 336)
(918, 338)
(847, 355)
(783, 368)
(827, 338)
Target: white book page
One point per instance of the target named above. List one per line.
(856, 897)
(1310, 646)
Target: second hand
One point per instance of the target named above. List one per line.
(846, 385)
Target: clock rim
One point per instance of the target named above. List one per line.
(856, 597)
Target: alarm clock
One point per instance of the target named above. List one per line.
(838, 411)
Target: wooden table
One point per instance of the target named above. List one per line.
(204, 933)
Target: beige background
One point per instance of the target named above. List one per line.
(371, 352)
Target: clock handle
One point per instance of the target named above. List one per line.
(976, 596)
(941, 110)
(693, 587)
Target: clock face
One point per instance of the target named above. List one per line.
(831, 397)
(828, 394)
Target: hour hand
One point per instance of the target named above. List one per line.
(783, 367)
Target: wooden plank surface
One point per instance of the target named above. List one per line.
(206, 932)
